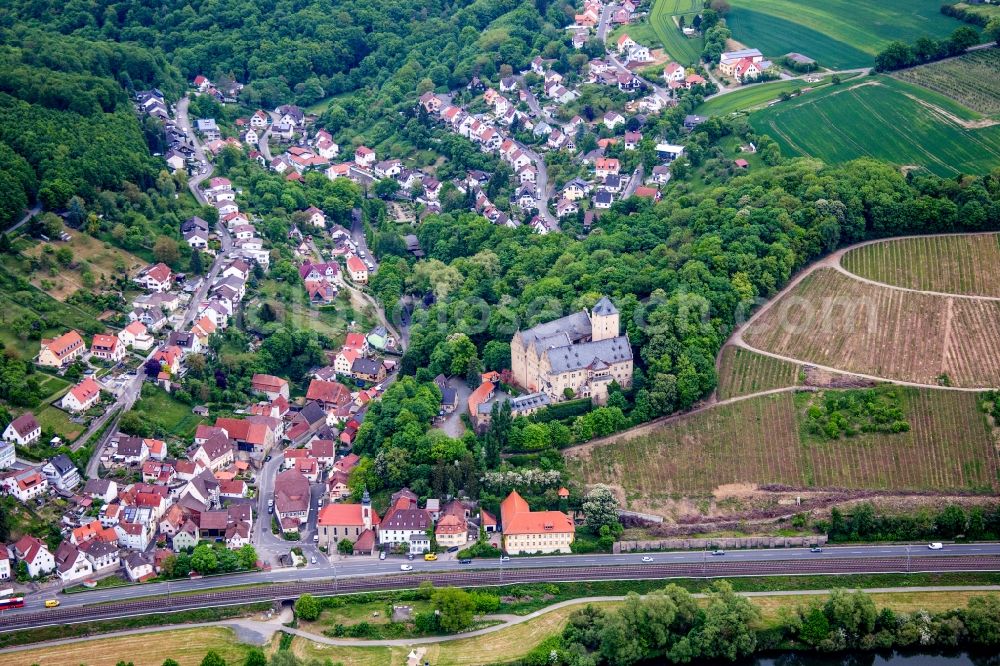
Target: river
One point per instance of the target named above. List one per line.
(943, 658)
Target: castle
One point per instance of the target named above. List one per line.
(583, 352)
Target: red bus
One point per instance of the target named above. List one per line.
(11, 602)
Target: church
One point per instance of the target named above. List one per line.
(583, 352)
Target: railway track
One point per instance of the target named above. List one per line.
(277, 592)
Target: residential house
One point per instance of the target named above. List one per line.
(217, 451)
(35, 554)
(404, 521)
(259, 120)
(613, 119)
(606, 166)
(157, 278)
(83, 396)
(357, 269)
(102, 489)
(291, 500)
(632, 140)
(576, 189)
(130, 450)
(62, 351)
(451, 531)
(22, 431)
(730, 59)
(24, 484)
(103, 556)
(71, 563)
(603, 200)
(138, 567)
(61, 473)
(526, 531)
(669, 151)
(565, 207)
(673, 72)
(647, 193)
(368, 369)
(208, 128)
(364, 157)
(106, 347)
(270, 386)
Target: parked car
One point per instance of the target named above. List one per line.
(406, 567)
(430, 557)
(409, 556)
(314, 559)
(381, 555)
(453, 549)
(937, 545)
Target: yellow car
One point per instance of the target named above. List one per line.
(51, 603)
(430, 557)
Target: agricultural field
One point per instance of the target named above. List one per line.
(988, 11)
(833, 320)
(961, 264)
(839, 34)
(186, 646)
(971, 80)
(762, 440)
(102, 261)
(880, 118)
(685, 50)
(753, 96)
(742, 372)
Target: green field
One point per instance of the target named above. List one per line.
(839, 34)
(685, 50)
(762, 440)
(878, 118)
(166, 414)
(753, 96)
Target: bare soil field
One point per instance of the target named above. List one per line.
(833, 320)
(962, 264)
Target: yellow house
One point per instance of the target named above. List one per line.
(527, 531)
(60, 352)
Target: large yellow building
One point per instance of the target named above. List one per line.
(527, 531)
(582, 352)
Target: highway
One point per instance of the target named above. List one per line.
(369, 574)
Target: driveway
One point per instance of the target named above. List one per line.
(452, 424)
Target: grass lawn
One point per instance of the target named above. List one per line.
(839, 34)
(56, 420)
(877, 117)
(186, 646)
(159, 407)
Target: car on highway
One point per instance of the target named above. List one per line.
(314, 559)
(815, 549)
(647, 559)
(937, 545)
(718, 551)
(51, 603)
(430, 557)
(505, 558)
(409, 556)
(465, 560)
(406, 567)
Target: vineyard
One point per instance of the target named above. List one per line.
(762, 440)
(884, 118)
(970, 80)
(965, 264)
(742, 372)
(833, 320)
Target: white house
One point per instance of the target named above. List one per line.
(61, 473)
(24, 484)
(23, 430)
(71, 563)
(83, 396)
(35, 554)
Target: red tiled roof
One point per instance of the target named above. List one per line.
(344, 514)
(64, 344)
(518, 518)
(85, 390)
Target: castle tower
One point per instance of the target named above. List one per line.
(366, 510)
(604, 320)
